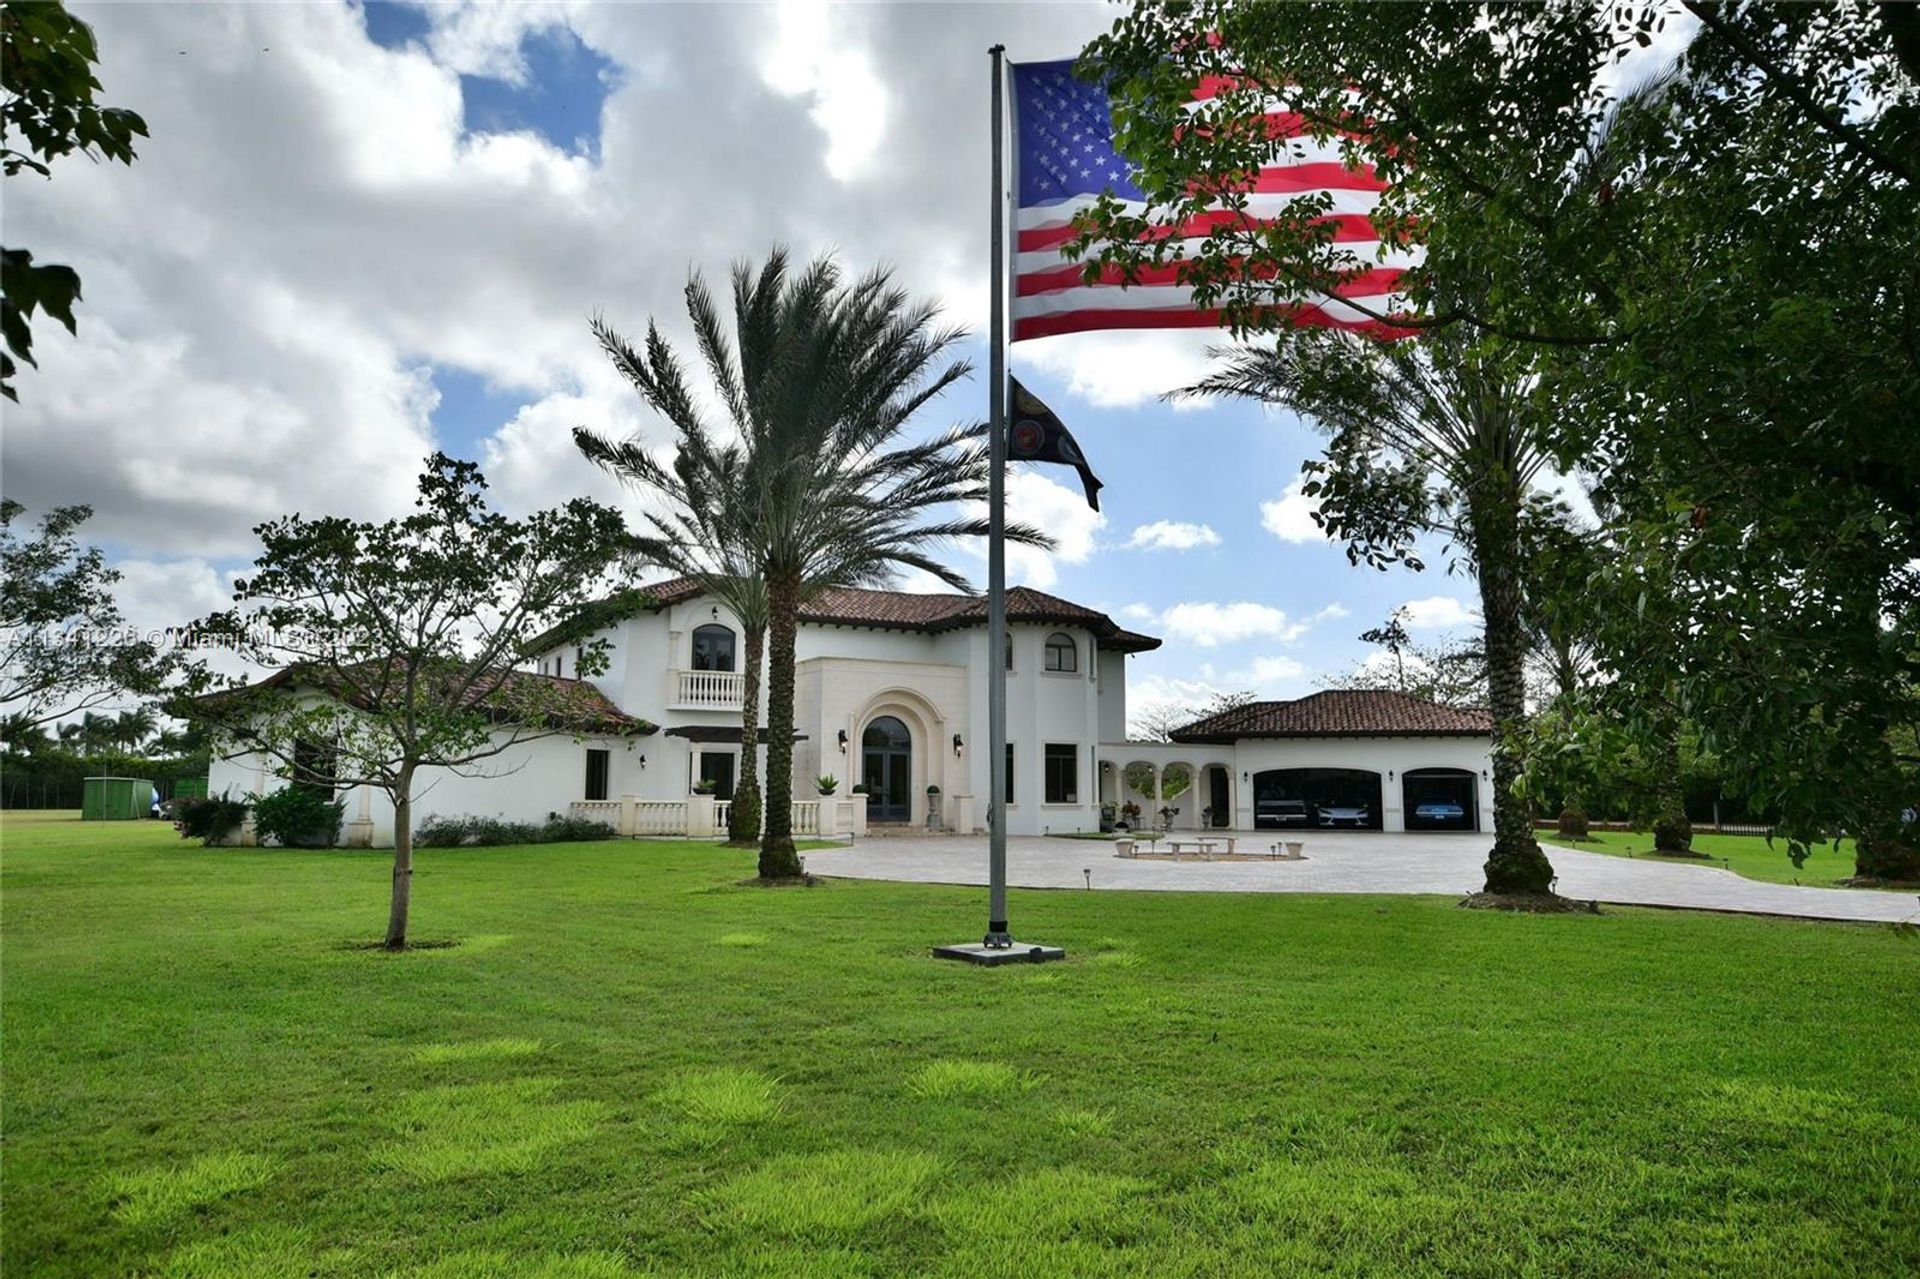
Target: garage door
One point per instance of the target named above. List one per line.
(1441, 799)
(1324, 798)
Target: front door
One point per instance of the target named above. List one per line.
(886, 766)
(1218, 801)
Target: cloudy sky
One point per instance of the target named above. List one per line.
(359, 233)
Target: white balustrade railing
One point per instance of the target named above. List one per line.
(630, 816)
(597, 810)
(659, 817)
(709, 690)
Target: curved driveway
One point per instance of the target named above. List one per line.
(1349, 862)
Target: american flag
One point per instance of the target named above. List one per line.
(1064, 159)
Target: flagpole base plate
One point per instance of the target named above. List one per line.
(1019, 952)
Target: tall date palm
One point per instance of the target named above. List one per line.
(814, 480)
(1431, 436)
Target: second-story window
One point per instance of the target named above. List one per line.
(712, 648)
(1063, 655)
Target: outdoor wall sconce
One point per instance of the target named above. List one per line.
(716, 612)
(957, 744)
(1484, 773)
(1389, 774)
(1244, 777)
(643, 761)
(843, 741)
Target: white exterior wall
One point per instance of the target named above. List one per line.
(523, 784)
(1391, 757)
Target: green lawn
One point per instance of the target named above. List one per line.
(1748, 855)
(631, 1065)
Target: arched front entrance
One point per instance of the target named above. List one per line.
(886, 767)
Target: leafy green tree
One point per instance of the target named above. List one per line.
(397, 643)
(46, 65)
(820, 381)
(65, 647)
(1722, 302)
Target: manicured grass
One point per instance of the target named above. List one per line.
(1748, 855)
(632, 1065)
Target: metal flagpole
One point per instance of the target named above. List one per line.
(997, 947)
(997, 934)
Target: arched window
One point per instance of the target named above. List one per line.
(712, 648)
(1062, 653)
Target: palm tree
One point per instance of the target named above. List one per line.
(131, 729)
(812, 485)
(1429, 436)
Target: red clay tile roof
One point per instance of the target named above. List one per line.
(906, 611)
(570, 702)
(1342, 712)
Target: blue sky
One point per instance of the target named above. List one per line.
(379, 230)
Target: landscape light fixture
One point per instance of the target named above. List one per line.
(958, 745)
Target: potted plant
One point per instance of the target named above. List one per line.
(933, 806)
(860, 788)
(705, 786)
(1129, 815)
(828, 784)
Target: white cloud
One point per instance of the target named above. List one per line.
(1209, 624)
(311, 231)
(1290, 517)
(1172, 535)
(1060, 511)
(1437, 612)
(1121, 370)
(811, 57)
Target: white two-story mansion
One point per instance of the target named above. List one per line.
(891, 694)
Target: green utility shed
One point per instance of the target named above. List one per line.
(190, 788)
(115, 799)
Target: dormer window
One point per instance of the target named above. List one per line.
(1063, 655)
(712, 648)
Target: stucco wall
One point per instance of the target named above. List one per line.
(524, 784)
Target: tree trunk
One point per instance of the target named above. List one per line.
(1672, 832)
(743, 818)
(1883, 853)
(1516, 864)
(778, 860)
(402, 862)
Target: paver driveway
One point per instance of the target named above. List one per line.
(1349, 862)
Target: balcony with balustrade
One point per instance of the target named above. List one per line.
(705, 690)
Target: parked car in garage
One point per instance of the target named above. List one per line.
(1279, 812)
(1440, 812)
(1355, 815)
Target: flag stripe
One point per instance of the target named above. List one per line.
(1376, 281)
(1065, 163)
(1188, 316)
(1347, 228)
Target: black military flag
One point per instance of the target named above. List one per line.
(1037, 435)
